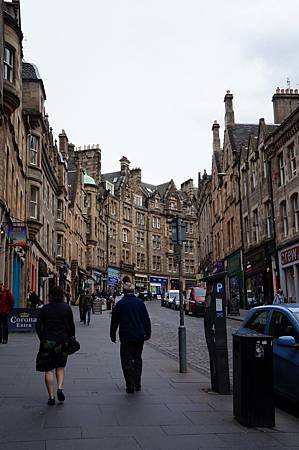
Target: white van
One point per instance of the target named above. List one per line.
(172, 299)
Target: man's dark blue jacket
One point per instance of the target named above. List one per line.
(131, 316)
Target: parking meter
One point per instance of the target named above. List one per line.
(215, 332)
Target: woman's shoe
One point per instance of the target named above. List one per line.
(60, 395)
(51, 401)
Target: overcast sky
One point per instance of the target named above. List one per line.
(147, 78)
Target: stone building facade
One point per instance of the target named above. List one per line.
(282, 151)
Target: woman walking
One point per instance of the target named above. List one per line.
(54, 327)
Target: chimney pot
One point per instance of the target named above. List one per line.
(287, 91)
(296, 91)
(277, 90)
(291, 91)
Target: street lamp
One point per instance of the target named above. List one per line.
(178, 234)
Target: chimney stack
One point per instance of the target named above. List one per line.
(285, 101)
(216, 138)
(124, 165)
(63, 144)
(229, 117)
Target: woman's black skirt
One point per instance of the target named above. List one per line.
(51, 355)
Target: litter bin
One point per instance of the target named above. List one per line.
(253, 397)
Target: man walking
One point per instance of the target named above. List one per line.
(131, 316)
(6, 305)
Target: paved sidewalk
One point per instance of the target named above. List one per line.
(173, 411)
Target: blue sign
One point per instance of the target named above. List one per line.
(219, 287)
(159, 280)
(113, 278)
(23, 319)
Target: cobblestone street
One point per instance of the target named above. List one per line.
(165, 324)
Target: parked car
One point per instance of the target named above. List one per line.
(281, 322)
(194, 301)
(171, 299)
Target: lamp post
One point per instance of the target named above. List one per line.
(178, 231)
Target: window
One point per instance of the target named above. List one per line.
(156, 263)
(284, 218)
(268, 219)
(87, 202)
(189, 266)
(112, 230)
(140, 261)
(33, 202)
(59, 209)
(189, 246)
(112, 254)
(8, 64)
(127, 213)
(59, 245)
(156, 222)
(244, 186)
(292, 160)
(33, 151)
(281, 180)
(295, 211)
(110, 187)
(140, 218)
(253, 175)
(125, 235)
(156, 242)
(137, 200)
(173, 204)
(258, 322)
(255, 225)
(113, 208)
(189, 227)
(126, 256)
(265, 167)
(140, 238)
(281, 326)
(172, 266)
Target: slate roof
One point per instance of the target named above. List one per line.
(162, 188)
(30, 71)
(239, 134)
(112, 176)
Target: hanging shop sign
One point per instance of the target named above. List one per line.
(17, 235)
(113, 278)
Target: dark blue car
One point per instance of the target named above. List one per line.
(281, 322)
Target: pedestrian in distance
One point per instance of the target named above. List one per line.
(131, 317)
(87, 307)
(54, 327)
(279, 298)
(81, 306)
(6, 305)
(33, 299)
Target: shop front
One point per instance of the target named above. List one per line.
(158, 286)
(289, 272)
(141, 283)
(174, 283)
(234, 286)
(189, 283)
(258, 276)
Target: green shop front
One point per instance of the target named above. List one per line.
(235, 297)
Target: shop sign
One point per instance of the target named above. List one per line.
(233, 263)
(290, 256)
(97, 306)
(23, 319)
(113, 278)
(255, 261)
(18, 235)
(159, 280)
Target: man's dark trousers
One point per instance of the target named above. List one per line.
(3, 327)
(131, 362)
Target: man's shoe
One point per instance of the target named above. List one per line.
(4, 342)
(51, 401)
(60, 395)
(130, 390)
(138, 388)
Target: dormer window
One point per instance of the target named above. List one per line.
(110, 187)
(8, 64)
(137, 200)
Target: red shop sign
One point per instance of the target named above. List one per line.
(289, 256)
